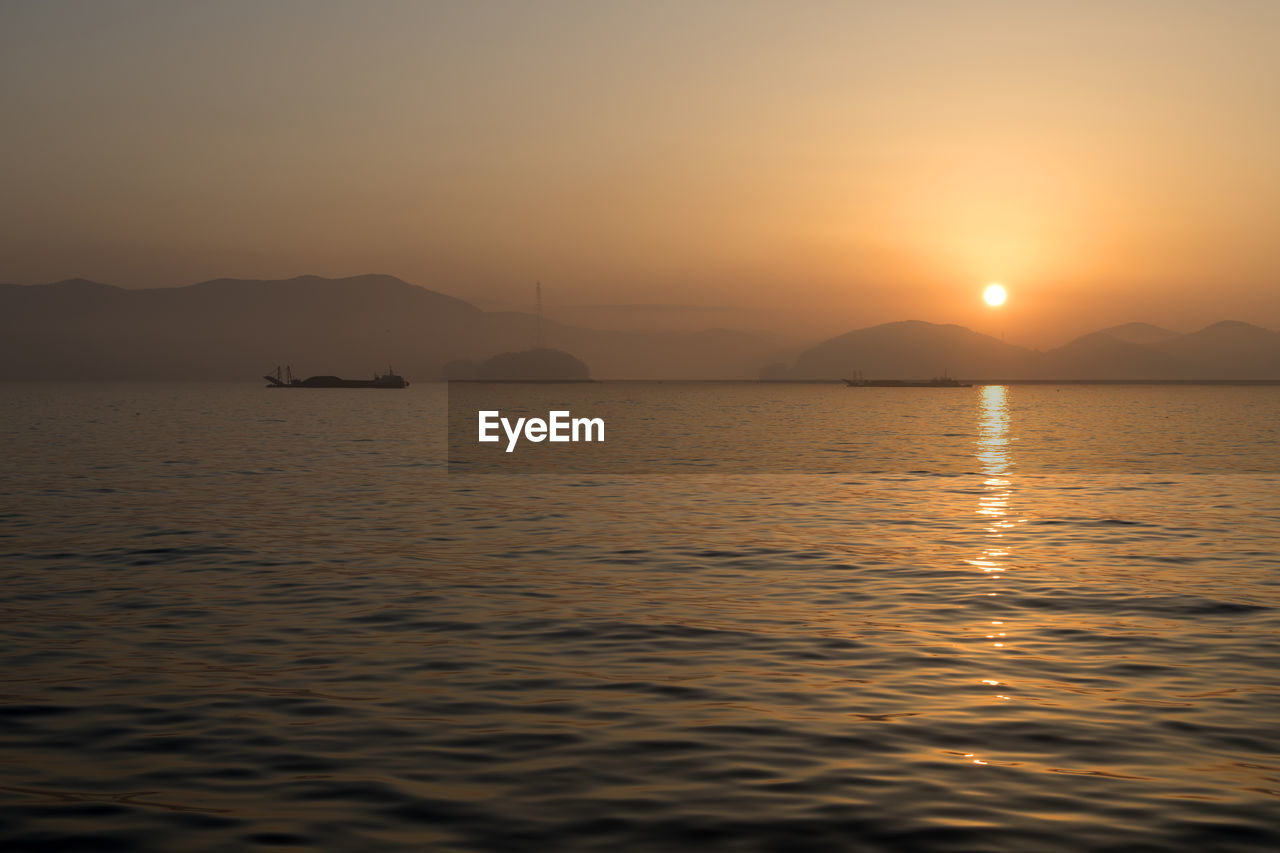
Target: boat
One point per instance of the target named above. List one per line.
(285, 379)
(943, 381)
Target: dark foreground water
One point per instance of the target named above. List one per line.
(232, 618)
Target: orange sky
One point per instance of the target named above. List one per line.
(800, 168)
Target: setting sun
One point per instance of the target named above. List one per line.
(995, 295)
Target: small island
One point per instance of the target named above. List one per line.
(534, 365)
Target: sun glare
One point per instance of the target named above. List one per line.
(995, 295)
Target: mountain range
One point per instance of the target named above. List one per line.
(238, 329)
(229, 328)
(1229, 350)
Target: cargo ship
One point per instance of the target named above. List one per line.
(284, 378)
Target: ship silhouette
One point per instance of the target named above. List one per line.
(943, 381)
(285, 379)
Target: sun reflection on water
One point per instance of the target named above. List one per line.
(993, 430)
(995, 463)
(992, 452)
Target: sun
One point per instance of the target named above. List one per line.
(995, 295)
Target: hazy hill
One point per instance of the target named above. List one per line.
(234, 329)
(1139, 333)
(534, 364)
(1230, 349)
(240, 329)
(917, 350)
(913, 349)
(1100, 355)
(228, 328)
(710, 354)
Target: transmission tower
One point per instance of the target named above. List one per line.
(539, 342)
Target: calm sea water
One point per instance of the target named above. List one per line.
(234, 618)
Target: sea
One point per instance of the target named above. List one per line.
(1006, 618)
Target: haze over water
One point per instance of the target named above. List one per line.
(743, 165)
(237, 618)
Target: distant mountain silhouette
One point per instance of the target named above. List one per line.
(1230, 349)
(1101, 355)
(230, 328)
(237, 329)
(1139, 333)
(918, 350)
(914, 349)
(536, 364)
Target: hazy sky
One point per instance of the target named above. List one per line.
(808, 167)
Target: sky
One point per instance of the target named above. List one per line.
(798, 168)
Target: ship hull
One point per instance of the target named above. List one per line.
(338, 382)
(904, 383)
(346, 383)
